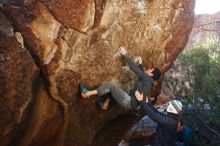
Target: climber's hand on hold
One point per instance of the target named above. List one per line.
(122, 50)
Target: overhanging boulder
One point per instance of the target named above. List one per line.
(73, 41)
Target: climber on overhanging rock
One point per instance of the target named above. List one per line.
(125, 100)
(166, 132)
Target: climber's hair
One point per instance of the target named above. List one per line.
(156, 74)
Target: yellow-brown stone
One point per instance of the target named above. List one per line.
(73, 41)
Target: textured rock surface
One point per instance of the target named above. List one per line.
(205, 26)
(74, 41)
(17, 74)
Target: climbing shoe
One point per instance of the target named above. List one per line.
(104, 105)
(84, 90)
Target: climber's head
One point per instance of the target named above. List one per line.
(154, 73)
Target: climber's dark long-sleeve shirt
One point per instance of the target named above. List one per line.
(144, 83)
(166, 130)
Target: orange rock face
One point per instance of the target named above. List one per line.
(205, 26)
(17, 74)
(73, 41)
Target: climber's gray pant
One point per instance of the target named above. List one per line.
(121, 97)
